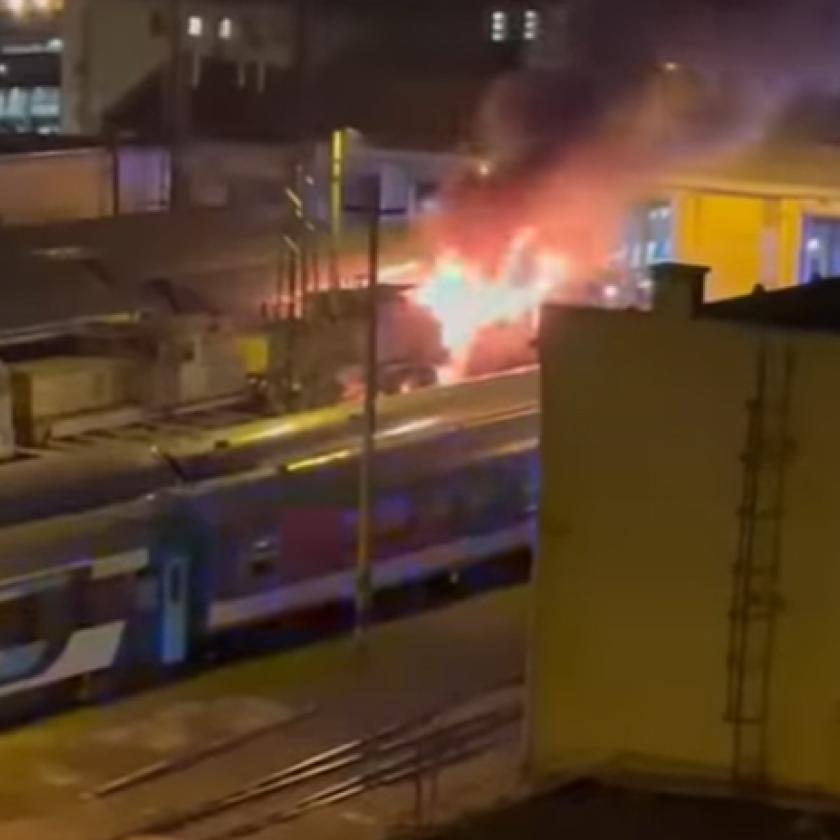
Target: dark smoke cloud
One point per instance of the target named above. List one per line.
(719, 71)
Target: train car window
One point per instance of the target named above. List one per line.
(260, 566)
(176, 585)
(394, 517)
(145, 590)
(479, 497)
(106, 600)
(18, 621)
(264, 554)
(439, 506)
(350, 525)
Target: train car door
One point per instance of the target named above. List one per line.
(174, 618)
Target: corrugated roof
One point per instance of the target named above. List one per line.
(80, 271)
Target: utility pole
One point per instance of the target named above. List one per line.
(178, 107)
(338, 151)
(365, 547)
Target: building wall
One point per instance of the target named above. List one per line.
(79, 184)
(747, 239)
(751, 230)
(643, 423)
(54, 186)
(111, 46)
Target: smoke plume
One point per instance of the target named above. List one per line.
(708, 72)
(620, 91)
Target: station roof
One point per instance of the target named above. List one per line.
(86, 270)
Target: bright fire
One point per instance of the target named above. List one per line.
(466, 301)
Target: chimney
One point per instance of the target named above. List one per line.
(677, 288)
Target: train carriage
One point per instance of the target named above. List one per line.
(105, 598)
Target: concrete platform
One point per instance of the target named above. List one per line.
(299, 703)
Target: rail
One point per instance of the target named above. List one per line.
(185, 761)
(405, 752)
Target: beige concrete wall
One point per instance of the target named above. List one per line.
(643, 423)
(55, 186)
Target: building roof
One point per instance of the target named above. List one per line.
(814, 305)
(81, 271)
(791, 168)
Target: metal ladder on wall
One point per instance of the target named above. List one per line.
(755, 597)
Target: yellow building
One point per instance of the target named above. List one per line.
(687, 583)
(770, 216)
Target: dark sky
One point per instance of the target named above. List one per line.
(746, 59)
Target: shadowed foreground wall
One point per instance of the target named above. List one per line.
(644, 419)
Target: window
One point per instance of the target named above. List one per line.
(106, 600)
(393, 517)
(531, 25)
(157, 24)
(195, 26)
(820, 248)
(45, 102)
(649, 235)
(498, 26)
(263, 555)
(225, 29)
(18, 620)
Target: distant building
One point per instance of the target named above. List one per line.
(769, 216)
(84, 66)
(31, 57)
(686, 620)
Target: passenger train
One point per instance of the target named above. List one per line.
(245, 532)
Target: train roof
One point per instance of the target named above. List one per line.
(37, 550)
(97, 469)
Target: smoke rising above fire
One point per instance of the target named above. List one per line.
(617, 94)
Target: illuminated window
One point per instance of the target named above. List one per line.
(820, 248)
(195, 26)
(649, 235)
(4, 69)
(226, 29)
(45, 102)
(499, 26)
(16, 7)
(531, 25)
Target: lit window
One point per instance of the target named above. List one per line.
(4, 69)
(649, 235)
(45, 102)
(195, 26)
(499, 26)
(225, 28)
(16, 7)
(531, 25)
(820, 248)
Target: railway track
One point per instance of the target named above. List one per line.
(414, 752)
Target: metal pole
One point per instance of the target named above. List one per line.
(178, 107)
(337, 157)
(364, 593)
(116, 183)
